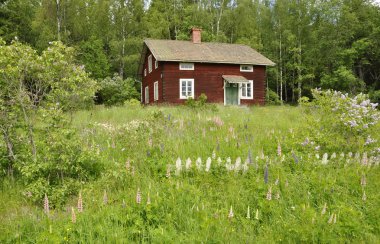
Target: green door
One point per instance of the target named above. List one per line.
(232, 94)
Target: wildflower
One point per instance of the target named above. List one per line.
(295, 157)
(266, 174)
(277, 181)
(330, 221)
(80, 203)
(128, 165)
(279, 150)
(269, 194)
(229, 166)
(333, 155)
(324, 158)
(238, 164)
(363, 181)
(178, 166)
(364, 198)
(219, 160)
(364, 159)
(277, 196)
(317, 148)
(123, 204)
(213, 155)
(250, 156)
(208, 164)
(105, 197)
(73, 216)
(231, 213)
(245, 166)
(257, 214)
(138, 196)
(148, 200)
(150, 142)
(46, 205)
(188, 164)
(198, 163)
(248, 213)
(168, 171)
(305, 142)
(324, 209)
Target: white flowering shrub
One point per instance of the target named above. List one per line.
(340, 121)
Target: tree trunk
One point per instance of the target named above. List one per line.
(58, 20)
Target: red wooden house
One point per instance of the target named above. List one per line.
(173, 71)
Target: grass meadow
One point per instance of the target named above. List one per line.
(231, 175)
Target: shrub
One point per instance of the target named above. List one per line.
(272, 98)
(200, 103)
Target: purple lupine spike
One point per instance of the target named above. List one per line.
(217, 146)
(169, 115)
(162, 147)
(295, 158)
(148, 153)
(266, 174)
(250, 156)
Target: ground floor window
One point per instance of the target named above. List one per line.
(246, 90)
(147, 94)
(156, 91)
(186, 88)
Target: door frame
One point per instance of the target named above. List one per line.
(224, 91)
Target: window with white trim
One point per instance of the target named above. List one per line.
(150, 63)
(147, 94)
(155, 64)
(186, 88)
(144, 72)
(246, 68)
(246, 90)
(156, 91)
(186, 66)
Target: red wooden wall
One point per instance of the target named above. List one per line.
(207, 79)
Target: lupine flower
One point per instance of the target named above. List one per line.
(229, 166)
(73, 215)
(245, 166)
(257, 214)
(188, 164)
(80, 203)
(238, 164)
(317, 155)
(105, 197)
(231, 213)
(219, 160)
(364, 159)
(269, 194)
(248, 213)
(295, 158)
(324, 158)
(148, 200)
(330, 221)
(198, 163)
(277, 196)
(364, 198)
(168, 171)
(342, 155)
(208, 164)
(123, 204)
(128, 165)
(178, 166)
(333, 155)
(266, 174)
(363, 181)
(138, 196)
(46, 205)
(306, 142)
(213, 155)
(279, 150)
(324, 209)
(277, 181)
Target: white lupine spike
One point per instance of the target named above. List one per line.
(257, 214)
(199, 163)
(245, 167)
(213, 155)
(333, 155)
(331, 218)
(248, 213)
(188, 164)
(317, 155)
(342, 155)
(231, 213)
(238, 164)
(219, 160)
(229, 166)
(325, 158)
(208, 164)
(178, 166)
(324, 209)
(349, 154)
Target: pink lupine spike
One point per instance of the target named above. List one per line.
(46, 205)
(80, 203)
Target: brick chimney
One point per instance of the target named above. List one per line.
(196, 35)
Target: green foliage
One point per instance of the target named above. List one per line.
(199, 103)
(342, 80)
(271, 98)
(116, 91)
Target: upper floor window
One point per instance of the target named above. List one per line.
(186, 66)
(150, 63)
(155, 64)
(246, 90)
(246, 68)
(186, 88)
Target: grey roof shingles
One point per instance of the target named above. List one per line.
(205, 52)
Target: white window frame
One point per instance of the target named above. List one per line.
(192, 88)
(155, 64)
(150, 63)
(243, 86)
(147, 94)
(246, 70)
(156, 91)
(186, 68)
(144, 72)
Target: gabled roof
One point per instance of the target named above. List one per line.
(205, 52)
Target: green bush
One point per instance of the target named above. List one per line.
(116, 91)
(200, 103)
(272, 98)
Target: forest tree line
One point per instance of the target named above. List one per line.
(314, 43)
